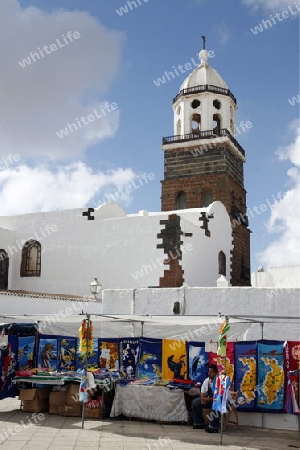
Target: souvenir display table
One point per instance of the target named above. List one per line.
(107, 384)
(150, 402)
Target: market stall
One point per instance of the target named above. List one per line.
(144, 357)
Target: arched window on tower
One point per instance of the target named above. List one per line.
(178, 127)
(222, 263)
(216, 124)
(31, 259)
(4, 262)
(181, 200)
(207, 198)
(196, 123)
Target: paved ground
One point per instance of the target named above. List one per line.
(65, 433)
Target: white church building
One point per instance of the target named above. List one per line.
(185, 263)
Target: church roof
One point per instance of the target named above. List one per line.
(204, 74)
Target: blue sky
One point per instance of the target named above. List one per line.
(115, 61)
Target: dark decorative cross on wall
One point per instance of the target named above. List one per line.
(205, 219)
(88, 214)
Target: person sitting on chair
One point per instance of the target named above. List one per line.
(205, 401)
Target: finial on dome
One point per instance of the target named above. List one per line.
(203, 56)
(204, 41)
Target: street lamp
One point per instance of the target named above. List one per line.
(95, 287)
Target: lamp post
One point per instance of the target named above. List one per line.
(95, 287)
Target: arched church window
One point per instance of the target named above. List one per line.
(217, 104)
(207, 198)
(178, 127)
(196, 123)
(31, 259)
(4, 262)
(216, 124)
(179, 110)
(195, 104)
(222, 263)
(181, 200)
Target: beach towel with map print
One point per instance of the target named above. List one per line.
(8, 366)
(109, 353)
(67, 353)
(90, 359)
(174, 360)
(245, 379)
(198, 361)
(291, 364)
(270, 376)
(150, 358)
(129, 355)
(219, 360)
(48, 352)
(26, 346)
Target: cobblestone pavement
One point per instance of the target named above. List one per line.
(24, 431)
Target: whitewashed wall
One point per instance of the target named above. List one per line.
(119, 250)
(194, 302)
(277, 277)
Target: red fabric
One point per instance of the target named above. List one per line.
(183, 381)
(291, 355)
(94, 403)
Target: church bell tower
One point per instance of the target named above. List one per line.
(203, 161)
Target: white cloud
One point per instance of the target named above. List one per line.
(40, 99)
(224, 32)
(285, 215)
(24, 189)
(269, 5)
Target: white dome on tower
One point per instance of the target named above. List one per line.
(203, 74)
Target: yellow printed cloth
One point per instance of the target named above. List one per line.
(174, 359)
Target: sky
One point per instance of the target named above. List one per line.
(67, 59)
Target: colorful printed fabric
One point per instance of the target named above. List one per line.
(26, 352)
(89, 359)
(8, 365)
(219, 360)
(291, 362)
(270, 395)
(86, 336)
(198, 361)
(67, 353)
(245, 367)
(109, 353)
(47, 353)
(291, 404)
(291, 355)
(220, 390)
(83, 395)
(174, 359)
(129, 354)
(222, 344)
(150, 358)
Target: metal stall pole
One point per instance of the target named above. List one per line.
(86, 364)
(262, 414)
(142, 330)
(221, 439)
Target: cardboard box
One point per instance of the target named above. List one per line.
(57, 398)
(92, 413)
(53, 409)
(70, 411)
(35, 400)
(72, 395)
